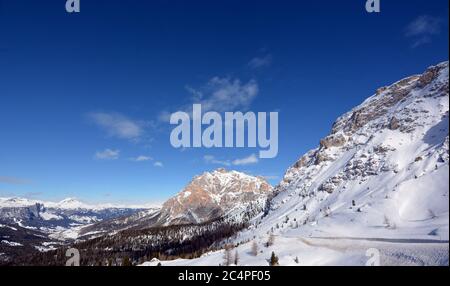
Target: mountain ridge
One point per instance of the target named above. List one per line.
(219, 194)
(68, 203)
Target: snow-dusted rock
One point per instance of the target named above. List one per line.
(216, 194)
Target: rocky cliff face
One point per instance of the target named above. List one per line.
(387, 123)
(382, 171)
(216, 194)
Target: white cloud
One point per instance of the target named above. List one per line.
(107, 154)
(423, 28)
(209, 159)
(117, 125)
(13, 180)
(158, 164)
(260, 62)
(252, 159)
(196, 94)
(164, 116)
(225, 94)
(141, 158)
(220, 95)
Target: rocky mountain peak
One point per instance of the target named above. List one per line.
(215, 194)
(403, 106)
(399, 136)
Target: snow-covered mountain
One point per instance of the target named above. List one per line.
(61, 219)
(216, 194)
(68, 204)
(30, 225)
(385, 164)
(379, 181)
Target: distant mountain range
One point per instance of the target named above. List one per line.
(68, 203)
(53, 218)
(31, 225)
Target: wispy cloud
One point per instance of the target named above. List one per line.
(107, 154)
(117, 125)
(4, 193)
(423, 29)
(209, 159)
(225, 94)
(252, 159)
(13, 180)
(260, 62)
(219, 94)
(164, 116)
(158, 164)
(141, 158)
(33, 195)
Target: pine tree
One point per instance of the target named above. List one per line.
(273, 260)
(126, 261)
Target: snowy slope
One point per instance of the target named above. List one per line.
(379, 180)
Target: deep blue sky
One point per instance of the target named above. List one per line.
(69, 84)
